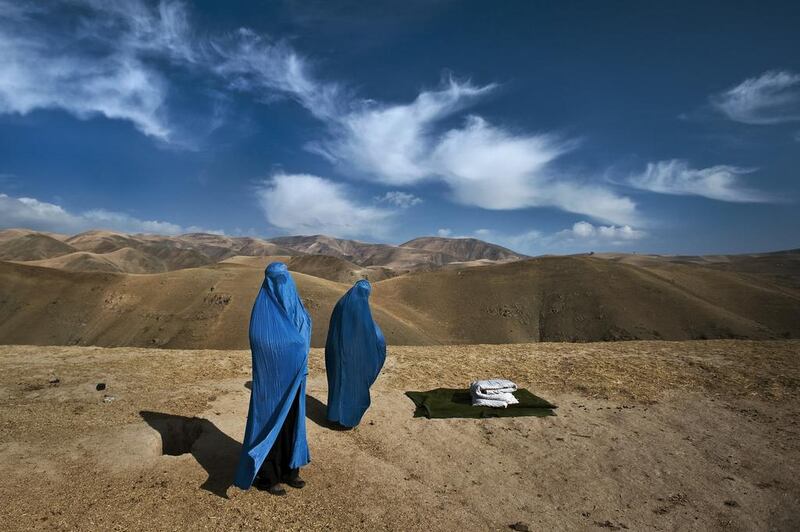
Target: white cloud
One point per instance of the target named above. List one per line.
(444, 232)
(488, 167)
(43, 216)
(307, 204)
(98, 58)
(581, 237)
(601, 233)
(770, 98)
(721, 182)
(250, 62)
(401, 144)
(483, 165)
(400, 199)
(105, 60)
(391, 143)
(491, 168)
(93, 64)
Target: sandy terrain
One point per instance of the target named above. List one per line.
(649, 436)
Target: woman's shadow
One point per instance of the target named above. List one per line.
(215, 451)
(316, 411)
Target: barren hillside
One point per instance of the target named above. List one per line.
(577, 298)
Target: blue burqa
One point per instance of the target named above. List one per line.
(354, 355)
(280, 337)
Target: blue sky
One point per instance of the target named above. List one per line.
(552, 127)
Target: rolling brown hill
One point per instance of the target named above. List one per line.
(322, 266)
(181, 309)
(464, 249)
(125, 260)
(574, 298)
(118, 252)
(365, 254)
(16, 244)
(581, 298)
(419, 254)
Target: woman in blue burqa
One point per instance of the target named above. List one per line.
(354, 355)
(275, 446)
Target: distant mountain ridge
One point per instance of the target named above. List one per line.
(466, 249)
(108, 251)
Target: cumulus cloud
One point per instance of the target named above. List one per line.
(444, 232)
(308, 204)
(600, 233)
(771, 98)
(400, 199)
(721, 182)
(43, 216)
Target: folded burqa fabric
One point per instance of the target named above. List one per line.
(280, 337)
(354, 355)
(497, 393)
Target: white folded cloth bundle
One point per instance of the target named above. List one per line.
(497, 393)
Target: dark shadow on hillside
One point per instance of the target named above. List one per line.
(214, 450)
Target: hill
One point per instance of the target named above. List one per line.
(16, 244)
(576, 298)
(182, 309)
(464, 249)
(364, 254)
(92, 251)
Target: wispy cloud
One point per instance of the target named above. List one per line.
(93, 62)
(771, 98)
(94, 58)
(308, 204)
(43, 216)
(721, 182)
(392, 143)
(404, 200)
(253, 63)
(482, 164)
(403, 143)
(444, 232)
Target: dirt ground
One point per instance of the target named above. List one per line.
(697, 435)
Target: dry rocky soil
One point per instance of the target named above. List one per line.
(649, 435)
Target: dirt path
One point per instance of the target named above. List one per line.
(649, 436)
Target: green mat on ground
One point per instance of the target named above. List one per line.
(454, 402)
